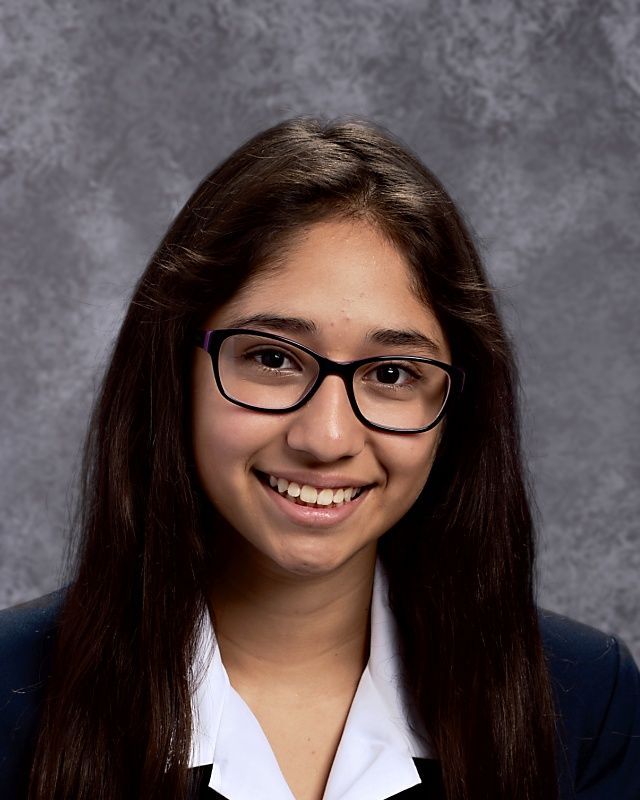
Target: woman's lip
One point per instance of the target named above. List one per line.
(312, 516)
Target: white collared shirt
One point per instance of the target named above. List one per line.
(374, 758)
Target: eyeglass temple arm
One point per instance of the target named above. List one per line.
(202, 339)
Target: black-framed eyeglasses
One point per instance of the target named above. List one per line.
(265, 372)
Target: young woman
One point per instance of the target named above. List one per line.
(306, 558)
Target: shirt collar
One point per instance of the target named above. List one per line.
(379, 741)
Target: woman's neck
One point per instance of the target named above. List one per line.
(297, 629)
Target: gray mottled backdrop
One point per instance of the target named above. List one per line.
(529, 112)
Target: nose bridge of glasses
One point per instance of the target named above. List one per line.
(343, 370)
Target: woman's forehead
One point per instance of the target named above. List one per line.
(337, 278)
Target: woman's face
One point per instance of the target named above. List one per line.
(336, 284)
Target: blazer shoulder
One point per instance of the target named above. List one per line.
(27, 634)
(596, 687)
(26, 631)
(26, 618)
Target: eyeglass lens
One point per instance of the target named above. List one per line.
(269, 374)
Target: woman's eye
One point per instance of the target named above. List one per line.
(272, 359)
(392, 375)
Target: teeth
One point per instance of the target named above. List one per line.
(325, 498)
(311, 495)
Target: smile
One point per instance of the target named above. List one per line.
(311, 496)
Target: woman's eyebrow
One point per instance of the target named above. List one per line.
(404, 338)
(278, 323)
(390, 337)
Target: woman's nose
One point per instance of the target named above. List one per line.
(326, 426)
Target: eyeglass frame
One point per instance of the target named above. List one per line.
(211, 341)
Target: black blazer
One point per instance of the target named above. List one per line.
(595, 681)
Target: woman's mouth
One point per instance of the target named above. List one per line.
(311, 496)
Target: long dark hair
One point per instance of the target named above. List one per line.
(117, 718)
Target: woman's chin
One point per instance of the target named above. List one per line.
(314, 562)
